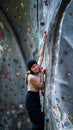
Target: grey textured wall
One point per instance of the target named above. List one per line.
(18, 42)
(58, 62)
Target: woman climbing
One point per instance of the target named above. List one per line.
(35, 82)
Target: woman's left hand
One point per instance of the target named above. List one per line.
(42, 70)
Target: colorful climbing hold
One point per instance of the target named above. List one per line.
(1, 25)
(23, 78)
(70, 14)
(7, 112)
(25, 5)
(16, 61)
(68, 74)
(22, 5)
(63, 97)
(58, 111)
(42, 23)
(66, 52)
(34, 5)
(28, 120)
(17, 73)
(1, 34)
(14, 82)
(25, 40)
(19, 28)
(19, 124)
(19, 17)
(1, 104)
(13, 111)
(66, 124)
(6, 73)
(45, 34)
(70, 117)
(16, 8)
(46, 2)
(15, 95)
(62, 124)
(57, 99)
(61, 61)
(25, 13)
(9, 49)
(28, 29)
(15, 17)
(11, 89)
(46, 119)
(1, 91)
(5, 104)
(42, 92)
(7, 9)
(23, 86)
(9, 64)
(6, 94)
(9, 79)
(41, 69)
(20, 105)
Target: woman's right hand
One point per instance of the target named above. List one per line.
(28, 72)
(45, 37)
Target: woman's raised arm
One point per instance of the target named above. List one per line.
(40, 60)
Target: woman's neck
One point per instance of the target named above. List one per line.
(34, 73)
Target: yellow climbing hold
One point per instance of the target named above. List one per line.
(19, 17)
(70, 117)
(25, 13)
(58, 111)
(1, 25)
(28, 29)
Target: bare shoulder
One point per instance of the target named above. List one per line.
(31, 77)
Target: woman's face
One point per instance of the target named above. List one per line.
(35, 68)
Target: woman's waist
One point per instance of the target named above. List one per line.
(33, 90)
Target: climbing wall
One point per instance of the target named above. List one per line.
(22, 26)
(18, 42)
(59, 51)
(65, 75)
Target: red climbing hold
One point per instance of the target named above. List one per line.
(1, 91)
(1, 34)
(11, 89)
(41, 69)
(44, 71)
(42, 23)
(42, 113)
(42, 92)
(66, 52)
(45, 34)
